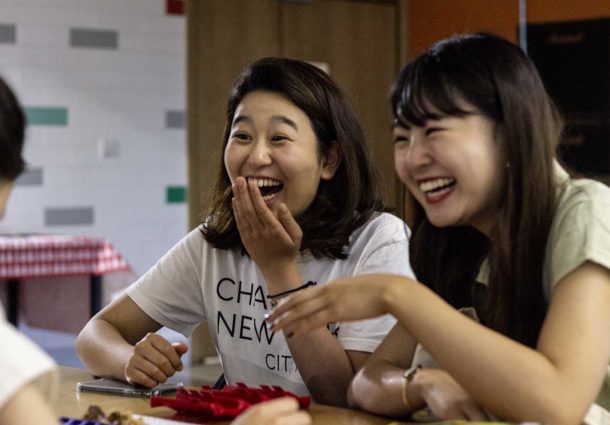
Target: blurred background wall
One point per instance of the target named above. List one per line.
(103, 86)
(431, 20)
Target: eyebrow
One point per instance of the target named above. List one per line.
(399, 124)
(285, 120)
(240, 118)
(281, 119)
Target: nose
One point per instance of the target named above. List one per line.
(260, 154)
(417, 154)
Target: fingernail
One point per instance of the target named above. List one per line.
(266, 316)
(269, 325)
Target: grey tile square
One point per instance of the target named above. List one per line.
(30, 177)
(175, 119)
(68, 216)
(93, 38)
(8, 33)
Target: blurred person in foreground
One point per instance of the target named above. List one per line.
(22, 364)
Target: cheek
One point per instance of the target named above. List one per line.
(231, 161)
(400, 166)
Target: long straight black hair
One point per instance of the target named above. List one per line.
(496, 78)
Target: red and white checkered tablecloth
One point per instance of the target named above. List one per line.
(27, 256)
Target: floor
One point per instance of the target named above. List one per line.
(61, 347)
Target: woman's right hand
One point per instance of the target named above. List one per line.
(445, 397)
(154, 359)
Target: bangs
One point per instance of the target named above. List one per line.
(424, 91)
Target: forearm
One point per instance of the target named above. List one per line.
(377, 388)
(321, 360)
(508, 378)
(103, 349)
(324, 366)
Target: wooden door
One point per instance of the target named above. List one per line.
(358, 43)
(359, 40)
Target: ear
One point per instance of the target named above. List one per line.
(331, 161)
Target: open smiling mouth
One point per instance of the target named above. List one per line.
(269, 188)
(436, 190)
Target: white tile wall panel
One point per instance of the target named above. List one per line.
(38, 36)
(68, 10)
(121, 95)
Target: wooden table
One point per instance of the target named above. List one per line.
(68, 402)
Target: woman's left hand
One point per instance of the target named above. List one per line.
(354, 298)
(273, 243)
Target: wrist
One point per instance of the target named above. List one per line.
(417, 388)
(408, 396)
(282, 278)
(278, 297)
(394, 293)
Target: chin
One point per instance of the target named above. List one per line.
(442, 222)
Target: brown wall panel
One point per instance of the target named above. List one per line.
(223, 37)
(432, 20)
(359, 43)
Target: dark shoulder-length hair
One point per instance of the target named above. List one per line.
(12, 134)
(343, 203)
(495, 77)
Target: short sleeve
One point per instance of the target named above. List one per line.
(170, 292)
(386, 250)
(580, 231)
(22, 361)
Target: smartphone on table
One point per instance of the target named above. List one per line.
(113, 386)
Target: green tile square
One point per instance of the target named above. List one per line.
(175, 194)
(53, 116)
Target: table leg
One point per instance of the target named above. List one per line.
(12, 308)
(96, 294)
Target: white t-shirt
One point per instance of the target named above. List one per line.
(195, 281)
(21, 361)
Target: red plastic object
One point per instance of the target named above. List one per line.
(226, 403)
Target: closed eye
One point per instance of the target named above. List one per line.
(401, 138)
(432, 130)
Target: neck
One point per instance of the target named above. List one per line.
(5, 191)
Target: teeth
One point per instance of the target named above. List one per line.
(431, 185)
(267, 182)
